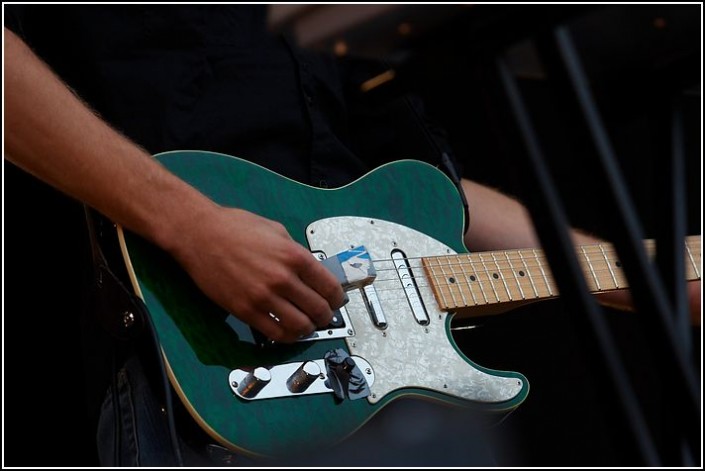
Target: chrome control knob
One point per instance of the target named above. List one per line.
(303, 377)
(254, 382)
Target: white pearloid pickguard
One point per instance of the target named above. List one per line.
(405, 354)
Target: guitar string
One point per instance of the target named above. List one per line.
(604, 274)
(505, 263)
(600, 274)
(597, 251)
(501, 270)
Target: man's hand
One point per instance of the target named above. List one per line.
(247, 264)
(251, 267)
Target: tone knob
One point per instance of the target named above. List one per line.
(303, 377)
(254, 382)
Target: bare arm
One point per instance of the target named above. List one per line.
(500, 222)
(50, 133)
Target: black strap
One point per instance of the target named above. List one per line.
(122, 314)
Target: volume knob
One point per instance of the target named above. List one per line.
(254, 382)
(303, 377)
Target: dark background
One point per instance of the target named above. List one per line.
(638, 58)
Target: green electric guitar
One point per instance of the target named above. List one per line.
(392, 339)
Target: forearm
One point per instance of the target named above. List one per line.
(498, 221)
(50, 133)
(250, 273)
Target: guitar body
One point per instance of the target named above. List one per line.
(202, 344)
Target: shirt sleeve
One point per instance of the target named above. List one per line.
(13, 19)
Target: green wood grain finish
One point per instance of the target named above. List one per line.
(203, 344)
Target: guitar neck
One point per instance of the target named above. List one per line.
(483, 278)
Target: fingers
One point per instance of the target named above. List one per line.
(253, 272)
(310, 302)
(296, 323)
(301, 300)
(325, 284)
(282, 322)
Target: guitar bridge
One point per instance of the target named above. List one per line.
(339, 327)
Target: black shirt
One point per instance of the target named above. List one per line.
(213, 78)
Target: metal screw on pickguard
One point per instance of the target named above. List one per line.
(445, 386)
(312, 231)
(384, 334)
(394, 244)
(330, 332)
(447, 250)
(321, 257)
(354, 344)
(425, 329)
(368, 371)
(234, 384)
(350, 332)
(372, 221)
(374, 396)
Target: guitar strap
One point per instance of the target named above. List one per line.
(123, 315)
(447, 162)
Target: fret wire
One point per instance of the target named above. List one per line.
(438, 284)
(479, 280)
(504, 282)
(521, 291)
(528, 273)
(450, 288)
(468, 281)
(488, 277)
(609, 266)
(462, 269)
(690, 255)
(592, 270)
(462, 295)
(543, 273)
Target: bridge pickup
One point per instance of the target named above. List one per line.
(406, 275)
(338, 328)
